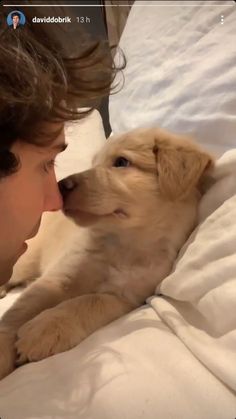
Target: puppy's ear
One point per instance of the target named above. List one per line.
(180, 167)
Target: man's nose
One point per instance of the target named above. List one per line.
(53, 199)
(66, 185)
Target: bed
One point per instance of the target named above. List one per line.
(175, 357)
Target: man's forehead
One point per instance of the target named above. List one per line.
(58, 145)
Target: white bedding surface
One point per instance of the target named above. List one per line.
(200, 303)
(159, 361)
(135, 368)
(84, 139)
(180, 71)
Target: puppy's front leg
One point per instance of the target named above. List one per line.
(66, 325)
(45, 293)
(42, 294)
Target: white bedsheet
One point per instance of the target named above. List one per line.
(180, 71)
(160, 361)
(200, 303)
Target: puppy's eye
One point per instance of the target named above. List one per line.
(121, 162)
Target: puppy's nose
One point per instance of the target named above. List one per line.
(66, 186)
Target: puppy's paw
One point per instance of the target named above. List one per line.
(47, 334)
(3, 291)
(7, 352)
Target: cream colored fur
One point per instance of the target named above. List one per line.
(135, 219)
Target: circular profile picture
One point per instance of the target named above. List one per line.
(15, 19)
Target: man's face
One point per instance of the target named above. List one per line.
(24, 196)
(15, 20)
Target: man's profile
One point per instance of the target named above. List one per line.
(15, 19)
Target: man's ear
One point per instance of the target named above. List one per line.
(180, 168)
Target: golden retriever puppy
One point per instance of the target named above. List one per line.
(137, 204)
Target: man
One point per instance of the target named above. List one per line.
(15, 20)
(38, 94)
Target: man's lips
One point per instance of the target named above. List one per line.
(35, 230)
(22, 250)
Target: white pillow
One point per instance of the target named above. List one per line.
(199, 297)
(84, 138)
(180, 72)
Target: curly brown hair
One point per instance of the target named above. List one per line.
(47, 74)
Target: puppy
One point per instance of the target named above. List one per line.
(138, 205)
